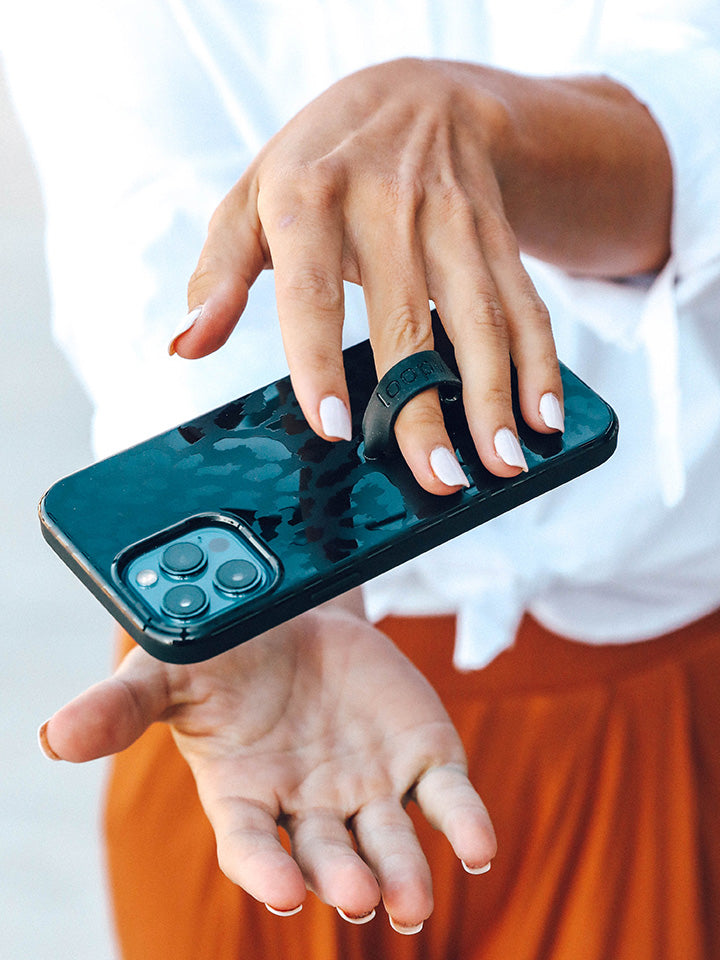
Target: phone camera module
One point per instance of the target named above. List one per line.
(185, 600)
(183, 559)
(237, 576)
(198, 574)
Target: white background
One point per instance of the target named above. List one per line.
(55, 639)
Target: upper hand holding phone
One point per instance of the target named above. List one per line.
(420, 180)
(386, 180)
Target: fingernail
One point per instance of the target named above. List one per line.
(476, 871)
(284, 913)
(183, 327)
(365, 918)
(508, 449)
(45, 744)
(335, 418)
(551, 412)
(446, 468)
(408, 931)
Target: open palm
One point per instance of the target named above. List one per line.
(322, 727)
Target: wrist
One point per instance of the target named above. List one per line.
(582, 168)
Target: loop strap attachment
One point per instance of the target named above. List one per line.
(401, 383)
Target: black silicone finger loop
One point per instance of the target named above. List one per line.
(401, 383)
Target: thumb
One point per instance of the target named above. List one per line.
(110, 715)
(233, 255)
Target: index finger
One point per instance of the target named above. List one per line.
(304, 227)
(232, 257)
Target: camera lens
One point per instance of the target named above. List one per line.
(236, 576)
(183, 558)
(185, 600)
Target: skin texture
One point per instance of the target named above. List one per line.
(417, 179)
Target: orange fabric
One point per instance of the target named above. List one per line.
(601, 770)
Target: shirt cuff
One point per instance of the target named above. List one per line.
(679, 83)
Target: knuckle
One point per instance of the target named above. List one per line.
(496, 397)
(286, 192)
(455, 208)
(321, 182)
(537, 311)
(317, 287)
(402, 190)
(531, 307)
(490, 316)
(203, 277)
(405, 330)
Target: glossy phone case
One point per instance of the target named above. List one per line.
(324, 518)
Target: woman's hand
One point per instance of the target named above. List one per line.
(321, 726)
(420, 180)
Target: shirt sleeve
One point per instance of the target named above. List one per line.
(671, 63)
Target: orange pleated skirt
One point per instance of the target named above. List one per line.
(601, 770)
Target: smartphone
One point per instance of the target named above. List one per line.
(211, 533)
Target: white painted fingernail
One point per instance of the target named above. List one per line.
(45, 743)
(476, 871)
(551, 412)
(284, 913)
(335, 418)
(509, 450)
(408, 931)
(366, 918)
(183, 327)
(446, 468)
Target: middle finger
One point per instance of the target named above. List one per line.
(393, 277)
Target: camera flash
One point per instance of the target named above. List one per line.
(146, 578)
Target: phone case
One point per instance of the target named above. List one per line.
(301, 519)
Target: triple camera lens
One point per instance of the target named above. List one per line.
(186, 559)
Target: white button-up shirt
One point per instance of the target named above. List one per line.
(142, 113)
